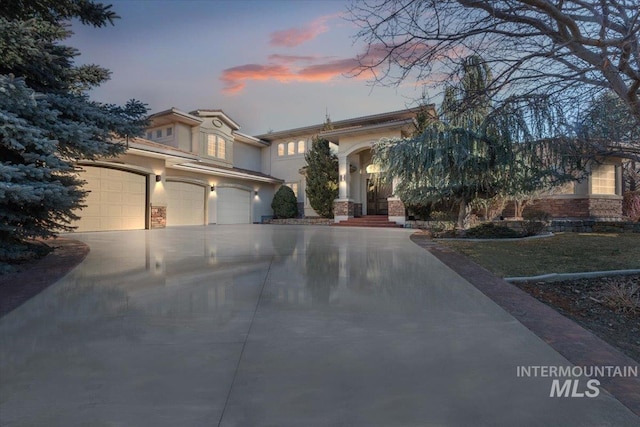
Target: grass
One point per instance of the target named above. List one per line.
(562, 253)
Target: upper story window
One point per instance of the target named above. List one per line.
(149, 135)
(292, 148)
(216, 146)
(159, 133)
(169, 131)
(603, 179)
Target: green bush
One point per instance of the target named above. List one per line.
(285, 203)
(534, 221)
(490, 230)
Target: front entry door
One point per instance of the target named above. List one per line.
(377, 195)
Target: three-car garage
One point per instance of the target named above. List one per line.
(118, 199)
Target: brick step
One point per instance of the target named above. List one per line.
(368, 221)
(364, 224)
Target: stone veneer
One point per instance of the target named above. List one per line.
(396, 207)
(158, 216)
(342, 208)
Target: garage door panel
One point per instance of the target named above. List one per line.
(110, 204)
(185, 203)
(234, 206)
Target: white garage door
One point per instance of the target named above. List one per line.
(185, 203)
(234, 206)
(116, 201)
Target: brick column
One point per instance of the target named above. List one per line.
(396, 210)
(158, 216)
(342, 209)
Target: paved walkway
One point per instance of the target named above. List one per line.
(275, 326)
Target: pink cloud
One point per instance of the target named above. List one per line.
(308, 68)
(293, 37)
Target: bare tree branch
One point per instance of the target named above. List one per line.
(583, 46)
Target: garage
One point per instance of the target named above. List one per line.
(234, 206)
(185, 203)
(116, 200)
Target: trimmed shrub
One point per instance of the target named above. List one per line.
(284, 204)
(535, 221)
(490, 230)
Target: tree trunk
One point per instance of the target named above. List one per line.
(463, 214)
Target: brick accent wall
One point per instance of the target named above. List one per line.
(592, 207)
(343, 208)
(396, 207)
(588, 207)
(158, 216)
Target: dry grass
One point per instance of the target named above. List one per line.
(622, 298)
(562, 253)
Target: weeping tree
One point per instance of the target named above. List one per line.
(477, 150)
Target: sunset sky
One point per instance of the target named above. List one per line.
(270, 65)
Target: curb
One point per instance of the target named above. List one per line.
(554, 277)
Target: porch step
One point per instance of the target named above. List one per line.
(368, 221)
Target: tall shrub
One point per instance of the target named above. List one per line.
(321, 177)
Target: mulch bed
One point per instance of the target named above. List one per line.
(36, 275)
(584, 301)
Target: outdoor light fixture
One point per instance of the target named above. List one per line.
(158, 178)
(213, 188)
(342, 178)
(255, 193)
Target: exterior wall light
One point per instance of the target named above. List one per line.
(213, 188)
(158, 178)
(255, 193)
(342, 178)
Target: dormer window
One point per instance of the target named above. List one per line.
(216, 146)
(291, 148)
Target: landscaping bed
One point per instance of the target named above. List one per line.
(597, 305)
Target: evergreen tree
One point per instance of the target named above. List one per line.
(321, 177)
(47, 121)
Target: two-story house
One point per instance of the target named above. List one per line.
(197, 168)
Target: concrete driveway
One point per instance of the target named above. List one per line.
(275, 326)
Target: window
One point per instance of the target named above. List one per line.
(291, 148)
(280, 149)
(211, 145)
(216, 146)
(301, 147)
(222, 148)
(159, 133)
(169, 131)
(603, 179)
(149, 135)
(293, 186)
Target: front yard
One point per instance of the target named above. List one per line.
(607, 306)
(562, 253)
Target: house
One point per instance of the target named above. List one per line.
(197, 168)
(191, 169)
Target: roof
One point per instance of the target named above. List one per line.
(173, 115)
(357, 122)
(219, 114)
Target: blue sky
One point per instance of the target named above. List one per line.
(270, 65)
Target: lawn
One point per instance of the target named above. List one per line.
(562, 253)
